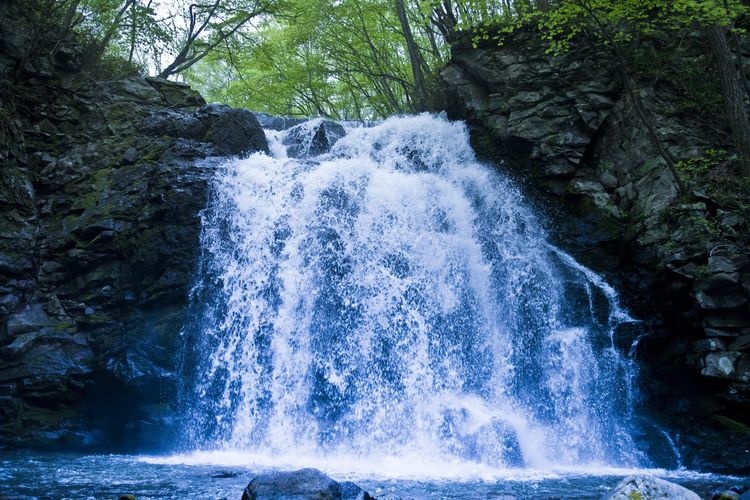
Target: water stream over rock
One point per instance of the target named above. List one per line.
(390, 297)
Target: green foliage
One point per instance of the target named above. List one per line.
(695, 169)
(623, 23)
(635, 495)
(113, 67)
(713, 175)
(684, 69)
(346, 60)
(163, 37)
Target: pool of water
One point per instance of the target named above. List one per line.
(27, 475)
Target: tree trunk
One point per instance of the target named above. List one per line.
(70, 15)
(133, 30)
(113, 28)
(414, 58)
(733, 93)
(640, 109)
(653, 134)
(740, 64)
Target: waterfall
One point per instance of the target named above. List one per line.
(392, 296)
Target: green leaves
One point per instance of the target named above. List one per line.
(623, 21)
(346, 59)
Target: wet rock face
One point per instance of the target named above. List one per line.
(721, 295)
(100, 192)
(565, 128)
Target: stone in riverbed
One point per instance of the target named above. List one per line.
(646, 487)
(304, 484)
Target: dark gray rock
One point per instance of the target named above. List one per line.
(312, 138)
(233, 131)
(304, 484)
(175, 94)
(731, 493)
(719, 290)
(173, 124)
(130, 156)
(720, 364)
(740, 344)
(278, 123)
(350, 491)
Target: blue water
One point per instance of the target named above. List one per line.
(26, 475)
(396, 298)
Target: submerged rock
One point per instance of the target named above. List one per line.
(646, 488)
(304, 484)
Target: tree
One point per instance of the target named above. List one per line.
(352, 59)
(208, 25)
(415, 57)
(733, 91)
(167, 36)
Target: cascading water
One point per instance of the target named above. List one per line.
(396, 298)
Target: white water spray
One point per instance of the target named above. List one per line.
(394, 298)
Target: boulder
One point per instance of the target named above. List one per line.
(304, 484)
(233, 131)
(312, 138)
(648, 487)
(720, 290)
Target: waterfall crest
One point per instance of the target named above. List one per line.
(395, 297)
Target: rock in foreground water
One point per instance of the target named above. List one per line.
(646, 488)
(304, 484)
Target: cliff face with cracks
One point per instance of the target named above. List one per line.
(565, 127)
(100, 193)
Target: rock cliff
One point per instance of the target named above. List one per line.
(100, 193)
(564, 126)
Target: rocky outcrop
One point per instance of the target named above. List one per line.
(100, 193)
(564, 126)
(302, 484)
